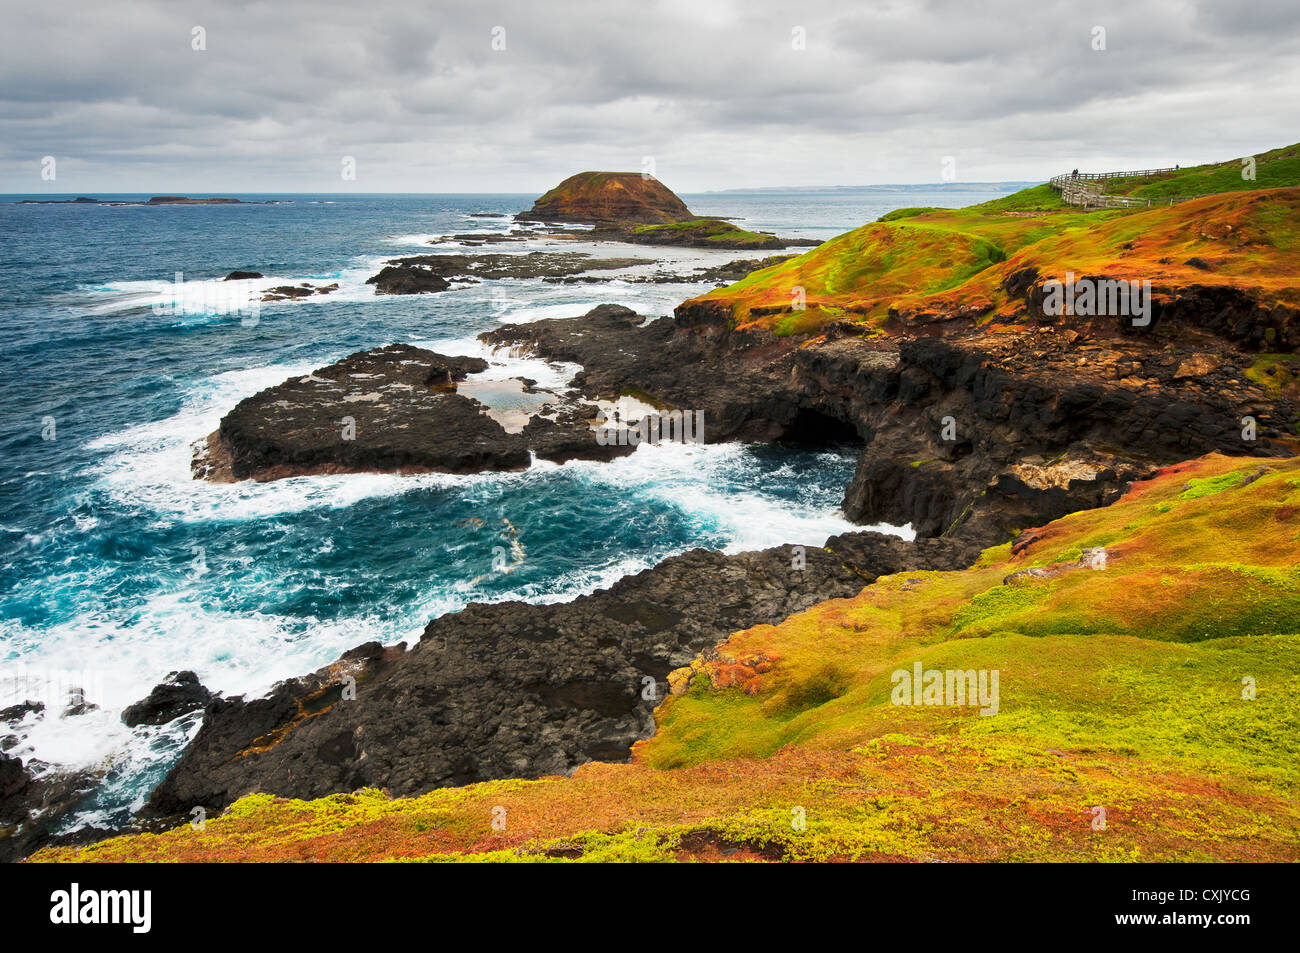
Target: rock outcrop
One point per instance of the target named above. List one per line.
(33, 800)
(629, 207)
(971, 433)
(698, 233)
(395, 409)
(407, 279)
(178, 694)
(512, 689)
(420, 274)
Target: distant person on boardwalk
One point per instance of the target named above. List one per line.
(1074, 174)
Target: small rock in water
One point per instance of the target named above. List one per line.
(178, 694)
(77, 704)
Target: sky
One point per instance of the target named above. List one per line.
(174, 96)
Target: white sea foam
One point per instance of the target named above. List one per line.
(192, 299)
(697, 479)
(114, 663)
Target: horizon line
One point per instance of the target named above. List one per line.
(90, 193)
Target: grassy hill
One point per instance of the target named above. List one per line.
(955, 261)
(1122, 732)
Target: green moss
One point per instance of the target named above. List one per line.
(826, 683)
(1196, 489)
(1276, 373)
(645, 397)
(919, 262)
(990, 609)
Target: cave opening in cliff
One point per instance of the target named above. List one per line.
(812, 428)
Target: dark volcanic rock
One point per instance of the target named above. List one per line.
(719, 275)
(16, 713)
(178, 694)
(31, 808)
(537, 264)
(387, 410)
(620, 354)
(242, 275)
(1102, 404)
(291, 291)
(564, 432)
(394, 409)
(304, 290)
(184, 200)
(515, 690)
(78, 704)
(406, 280)
(733, 271)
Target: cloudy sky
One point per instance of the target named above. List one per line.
(513, 96)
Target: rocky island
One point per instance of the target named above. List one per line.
(152, 201)
(624, 207)
(636, 208)
(608, 198)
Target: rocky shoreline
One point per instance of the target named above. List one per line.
(515, 689)
(1048, 420)
(427, 274)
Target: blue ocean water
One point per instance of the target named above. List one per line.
(116, 567)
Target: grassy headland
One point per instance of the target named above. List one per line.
(947, 261)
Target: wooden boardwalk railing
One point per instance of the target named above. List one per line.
(1085, 189)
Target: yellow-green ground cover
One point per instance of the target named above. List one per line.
(1147, 710)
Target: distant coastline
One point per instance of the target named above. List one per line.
(1008, 186)
(153, 200)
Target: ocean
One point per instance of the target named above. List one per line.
(117, 568)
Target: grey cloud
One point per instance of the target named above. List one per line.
(713, 90)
